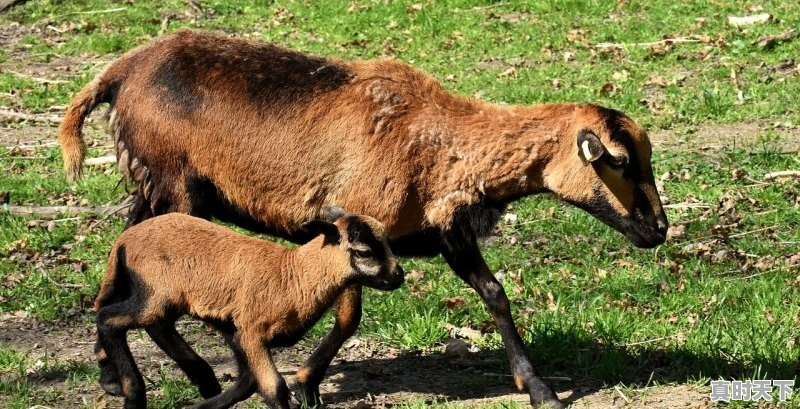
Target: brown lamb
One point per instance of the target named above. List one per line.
(256, 293)
(262, 136)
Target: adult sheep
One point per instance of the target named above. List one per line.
(262, 136)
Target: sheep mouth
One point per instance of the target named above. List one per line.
(640, 234)
(643, 236)
(389, 284)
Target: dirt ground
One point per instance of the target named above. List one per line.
(363, 375)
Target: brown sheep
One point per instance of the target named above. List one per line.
(256, 293)
(262, 136)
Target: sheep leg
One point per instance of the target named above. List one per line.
(348, 317)
(244, 387)
(271, 385)
(196, 368)
(113, 322)
(462, 253)
(109, 378)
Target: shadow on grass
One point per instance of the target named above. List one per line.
(567, 362)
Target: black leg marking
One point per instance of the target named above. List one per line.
(348, 317)
(113, 322)
(109, 378)
(462, 253)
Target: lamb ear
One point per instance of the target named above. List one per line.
(332, 213)
(316, 227)
(590, 148)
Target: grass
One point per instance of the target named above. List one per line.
(717, 301)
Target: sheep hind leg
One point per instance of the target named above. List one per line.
(113, 323)
(109, 377)
(462, 253)
(244, 387)
(348, 317)
(196, 368)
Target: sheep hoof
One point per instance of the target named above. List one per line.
(112, 388)
(306, 395)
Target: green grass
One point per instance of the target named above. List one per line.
(509, 52)
(718, 301)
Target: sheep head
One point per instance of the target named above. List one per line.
(606, 170)
(365, 242)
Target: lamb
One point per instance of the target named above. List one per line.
(256, 293)
(262, 136)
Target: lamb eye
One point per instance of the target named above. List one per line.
(363, 253)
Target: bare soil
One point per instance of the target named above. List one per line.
(363, 375)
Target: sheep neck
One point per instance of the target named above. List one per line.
(495, 152)
(315, 276)
(485, 154)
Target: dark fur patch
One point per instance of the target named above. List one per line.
(360, 232)
(179, 82)
(618, 133)
(270, 76)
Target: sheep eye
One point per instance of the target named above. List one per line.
(618, 162)
(363, 253)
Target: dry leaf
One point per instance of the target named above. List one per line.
(455, 303)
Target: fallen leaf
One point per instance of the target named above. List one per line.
(675, 231)
(455, 303)
(772, 40)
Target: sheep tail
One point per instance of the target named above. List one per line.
(115, 272)
(70, 137)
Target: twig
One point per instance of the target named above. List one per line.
(114, 10)
(37, 146)
(739, 92)
(101, 160)
(479, 8)
(769, 41)
(51, 212)
(732, 236)
(164, 24)
(782, 173)
(659, 42)
(751, 276)
(619, 391)
(28, 117)
(647, 341)
(689, 206)
(37, 79)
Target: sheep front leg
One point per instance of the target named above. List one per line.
(462, 253)
(270, 383)
(348, 317)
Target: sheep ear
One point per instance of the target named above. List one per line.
(316, 227)
(332, 213)
(590, 148)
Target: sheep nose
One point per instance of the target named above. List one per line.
(399, 272)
